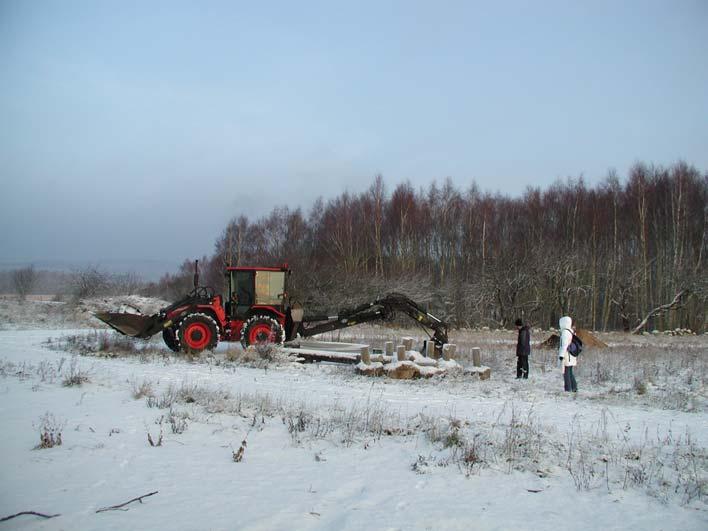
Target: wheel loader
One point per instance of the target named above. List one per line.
(258, 309)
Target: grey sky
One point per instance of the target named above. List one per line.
(134, 130)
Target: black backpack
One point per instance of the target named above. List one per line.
(576, 346)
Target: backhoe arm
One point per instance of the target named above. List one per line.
(384, 308)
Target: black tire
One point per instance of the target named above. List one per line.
(198, 332)
(261, 329)
(169, 336)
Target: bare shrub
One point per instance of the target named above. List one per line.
(432, 426)
(24, 281)
(689, 465)
(125, 283)
(46, 371)
(50, 430)
(151, 441)
(189, 393)
(447, 431)
(75, 375)
(89, 282)
(178, 421)
(579, 461)
(166, 399)
(142, 389)
(469, 454)
(298, 423)
(522, 439)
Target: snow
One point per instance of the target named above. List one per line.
(308, 465)
(33, 314)
(373, 365)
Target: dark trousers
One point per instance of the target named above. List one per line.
(569, 380)
(522, 366)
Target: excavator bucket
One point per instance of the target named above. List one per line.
(131, 324)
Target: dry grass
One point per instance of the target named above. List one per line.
(75, 376)
(107, 344)
(50, 430)
(261, 356)
(141, 389)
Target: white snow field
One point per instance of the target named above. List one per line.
(327, 449)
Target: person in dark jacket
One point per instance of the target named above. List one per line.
(523, 349)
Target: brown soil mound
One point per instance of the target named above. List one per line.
(589, 340)
(550, 343)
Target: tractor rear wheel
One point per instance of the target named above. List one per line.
(198, 332)
(170, 338)
(261, 329)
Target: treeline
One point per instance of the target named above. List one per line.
(622, 254)
(90, 281)
(609, 255)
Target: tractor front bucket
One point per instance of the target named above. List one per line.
(131, 324)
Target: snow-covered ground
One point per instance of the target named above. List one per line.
(327, 449)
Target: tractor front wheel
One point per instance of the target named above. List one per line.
(170, 338)
(198, 332)
(261, 329)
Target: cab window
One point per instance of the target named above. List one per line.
(270, 287)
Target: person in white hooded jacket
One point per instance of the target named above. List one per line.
(568, 361)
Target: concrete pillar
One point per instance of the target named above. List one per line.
(449, 351)
(401, 352)
(476, 357)
(365, 356)
(430, 349)
(408, 343)
(388, 348)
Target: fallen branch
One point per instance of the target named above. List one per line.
(116, 507)
(28, 512)
(661, 309)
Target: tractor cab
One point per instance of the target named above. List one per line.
(253, 288)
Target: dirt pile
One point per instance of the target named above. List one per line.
(589, 340)
(40, 313)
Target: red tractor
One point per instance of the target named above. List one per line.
(257, 310)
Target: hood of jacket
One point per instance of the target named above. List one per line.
(565, 322)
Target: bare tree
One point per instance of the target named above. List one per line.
(89, 282)
(125, 283)
(24, 280)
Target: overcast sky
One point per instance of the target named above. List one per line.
(135, 130)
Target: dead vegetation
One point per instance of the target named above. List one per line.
(260, 356)
(50, 430)
(75, 376)
(69, 374)
(141, 389)
(107, 344)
